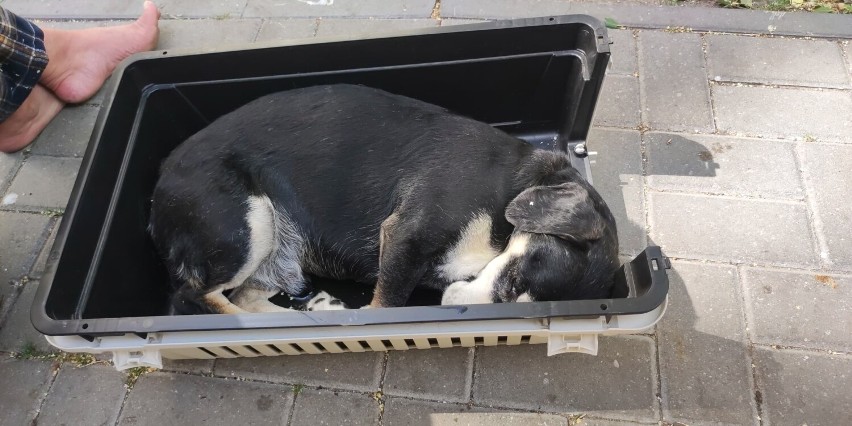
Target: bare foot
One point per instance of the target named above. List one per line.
(81, 60)
(29, 120)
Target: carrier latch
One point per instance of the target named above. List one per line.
(124, 360)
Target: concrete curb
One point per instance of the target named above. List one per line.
(639, 16)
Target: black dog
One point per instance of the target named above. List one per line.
(349, 182)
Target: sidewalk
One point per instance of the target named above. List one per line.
(731, 151)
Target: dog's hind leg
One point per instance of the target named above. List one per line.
(254, 299)
(217, 302)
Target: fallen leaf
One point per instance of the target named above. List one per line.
(827, 280)
(611, 23)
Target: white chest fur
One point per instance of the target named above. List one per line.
(471, 252)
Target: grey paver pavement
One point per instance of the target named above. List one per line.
(618, 105)
(359, 371)
(723, 229)
(328, 407)
(540, 383)
(676, 92)
(45, 181)
(441, 375)
(68, 402)
(704, 365)
(743, 179)
(23, 385)
(617, 175)
(623, 48)
(20, 234)
(826, 170)
(723, 165)
(184, 399)
(370, 27)
(805, 113)
(68, 134)
(17, 330)
(804, 387)
(776, 61)
(205, 33)
(808, 310)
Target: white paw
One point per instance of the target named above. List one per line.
(324, 302)
(467, 293)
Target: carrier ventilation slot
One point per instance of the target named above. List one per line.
(366, 345)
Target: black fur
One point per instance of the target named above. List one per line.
(342, 160)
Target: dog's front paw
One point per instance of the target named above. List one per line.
(324, 302)
(467, 293)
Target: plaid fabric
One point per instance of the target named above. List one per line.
(22, 60)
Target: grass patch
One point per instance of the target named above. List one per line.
(52, 212)
(818, 6)
(133, 375)
(30, 352)
(298, 388)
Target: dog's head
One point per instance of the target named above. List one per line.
(564, 247)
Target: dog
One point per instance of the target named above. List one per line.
(353, 183)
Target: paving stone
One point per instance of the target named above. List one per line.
(84, 396)
(575, 383)
(719, 228)
(617, 175)
(618, 103)
(202, 366)
(68, 134)
(804, 387)
(221, 9)
(775, 61)
(20, 234)
(783, 112)
(703, 356)
(589, 421)
(359, 371)
(327, 407)
(18, 331)
(64, 9)
(400, 411)
(826, 170)
(356, 28)
(452, 21)
(723, 165)
(675, 89)
(284, 29)
(649, 14)
(847, 52)
(41, 261)
(441, 374)
(203, 34)
(45, 181)
(622, 52)
(324, 8)
(164, 399)
(8, 163)
(799, 308)
(23, 385)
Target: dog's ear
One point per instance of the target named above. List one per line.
(564, 210)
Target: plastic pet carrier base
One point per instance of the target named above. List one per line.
(105, 289)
